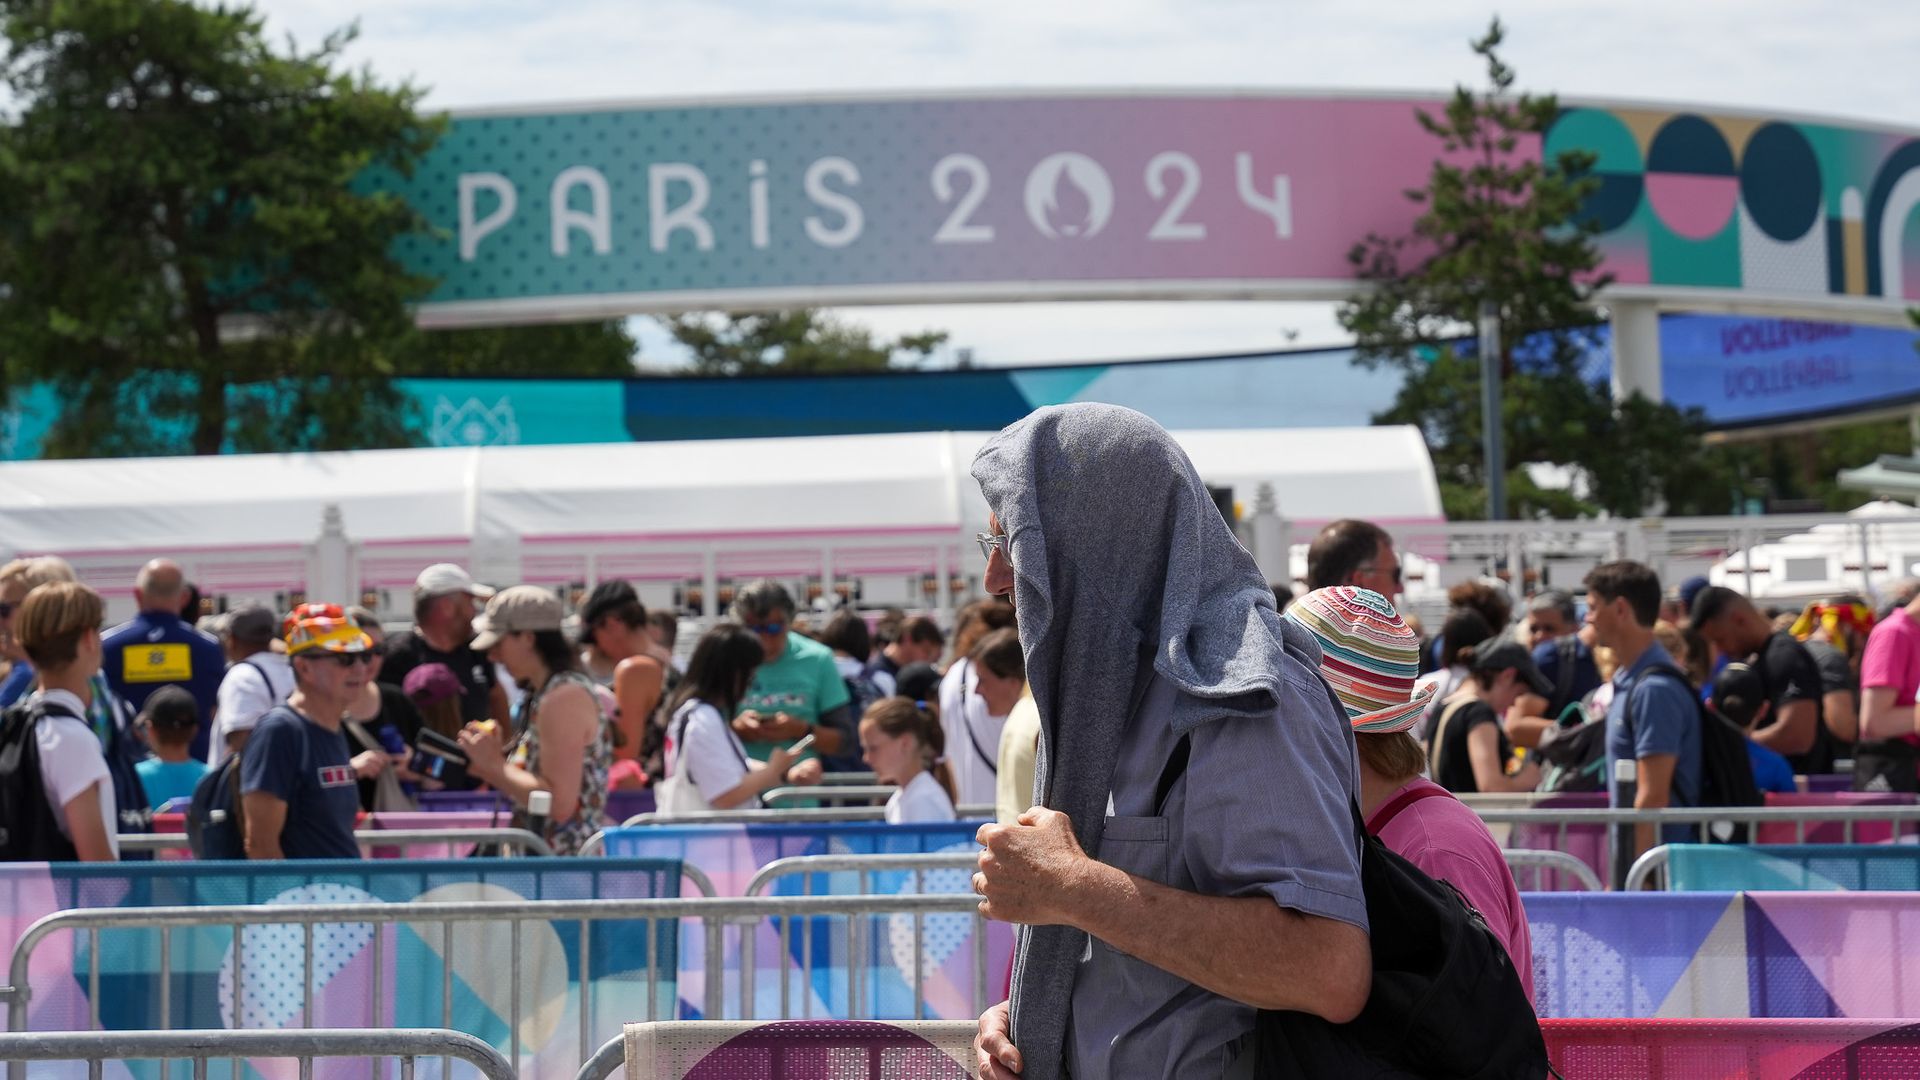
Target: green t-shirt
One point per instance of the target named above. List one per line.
(804, 683)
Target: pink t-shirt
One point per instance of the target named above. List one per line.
(1893, 659)
(1450, 842)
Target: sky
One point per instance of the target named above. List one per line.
(1852, 60)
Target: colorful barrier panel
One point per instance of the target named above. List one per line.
(360, 979)
(1726, 955)
(621, 805)
(811, 969)
(1793, 868)
(1733, 1049)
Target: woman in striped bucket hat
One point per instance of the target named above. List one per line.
(1371, 659)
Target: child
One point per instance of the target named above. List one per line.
(1739, 696)
(171, 718)
(902, 742)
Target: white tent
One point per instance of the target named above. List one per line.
(827, 508)
(1879, 545)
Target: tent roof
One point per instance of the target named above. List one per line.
(718, 487)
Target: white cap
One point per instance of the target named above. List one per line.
(444, 579)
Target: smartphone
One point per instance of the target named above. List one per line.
(437, 757)
(801, 747)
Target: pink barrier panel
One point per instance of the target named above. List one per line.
(1733, 1049)
(1834, 832)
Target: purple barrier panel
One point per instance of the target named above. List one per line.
(622, 805)
(437, 802)
(1825, 783)
(1833, 832)
(1588, 843)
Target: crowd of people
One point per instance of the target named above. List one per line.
(1179, 770)
(290, 727)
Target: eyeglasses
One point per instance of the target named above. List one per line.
(348, 659)
(1369, 568)
(990, 543)
(768, 629)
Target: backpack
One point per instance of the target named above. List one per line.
(1446, 1001)
(216, 819)
(29, 826)
(1576, 758)
(1726, 771)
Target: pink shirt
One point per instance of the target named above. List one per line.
(1450, 842)
(1893, 658)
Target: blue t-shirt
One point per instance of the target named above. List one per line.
(1586, 674)
(1666, 720)
(310, 768)
(159, 648)
(19, 683)
(166, 781)
(1771, 771)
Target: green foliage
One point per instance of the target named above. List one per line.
(1498, 226)
(177, 221)
(565, 350)
(797, 342)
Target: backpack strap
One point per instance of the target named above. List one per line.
(1385, 815)
(1567, 653)
(1436, 736)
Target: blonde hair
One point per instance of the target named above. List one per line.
(35, 572)
(1391, 756)
(54, 618)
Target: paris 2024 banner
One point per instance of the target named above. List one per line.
(598, 211)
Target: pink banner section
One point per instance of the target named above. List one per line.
(1734, 1049)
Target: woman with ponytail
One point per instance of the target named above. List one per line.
(901, 740)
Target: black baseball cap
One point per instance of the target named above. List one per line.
(1501, 653)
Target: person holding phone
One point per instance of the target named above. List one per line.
(565, 745)
(707, 767)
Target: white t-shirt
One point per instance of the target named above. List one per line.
(923, 799)
(250, 688)
(70, 761)
(973, 737)
(716, 762)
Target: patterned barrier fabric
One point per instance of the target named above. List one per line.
(1726, 955)
(360, 978)
(722, 1050)
(1729, 1049)
(831, 968)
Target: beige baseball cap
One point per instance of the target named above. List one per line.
(444, 579)
(521, 609)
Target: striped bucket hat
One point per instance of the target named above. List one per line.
(1369, 656)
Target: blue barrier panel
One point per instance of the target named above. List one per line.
(1803, 868)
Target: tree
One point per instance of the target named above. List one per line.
(571, 350)
(797, 342)
(1504, 225)
(178, 222)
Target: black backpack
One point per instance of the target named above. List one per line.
(1446, 1001)
(216, 824)
(1726, 770)
(29, 827)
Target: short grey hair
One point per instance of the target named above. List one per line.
(759, 599)
(1555, 600)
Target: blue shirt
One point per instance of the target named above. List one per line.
(159, 648)
(166, 781)
(1586, 674)
(18, 684)
(1666, 720)
(310, 769)
(1771, 771)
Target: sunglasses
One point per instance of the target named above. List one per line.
(768, 629)
(348, 659)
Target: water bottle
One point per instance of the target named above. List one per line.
(539, 808)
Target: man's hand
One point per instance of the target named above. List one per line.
(369, 764)
(993, 1052)
(784, 727)
(751, 727)
(1031, 872)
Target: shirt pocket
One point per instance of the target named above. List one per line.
(1140, 846)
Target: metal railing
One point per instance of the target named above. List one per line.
(1709, 824)
(715, 914)
(605, 1061)
(836, 795)
(1558, 862)
(519, 841)
(202, 1048)
(1652, 861)
(799, 815)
